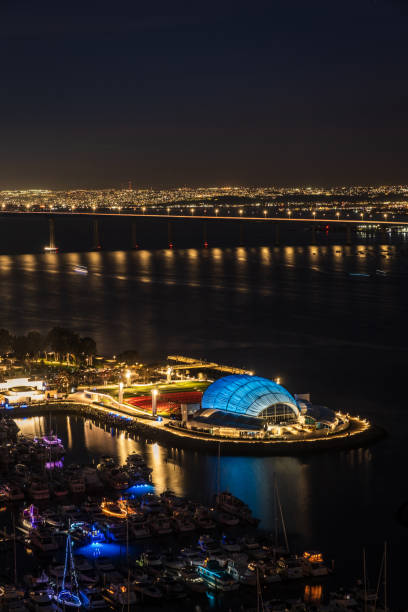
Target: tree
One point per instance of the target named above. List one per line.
(63, 342)
(87, 347)
(19, 346)
(129, 357)
(35, 343)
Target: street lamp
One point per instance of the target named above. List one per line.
(337, 214)
(128, 376)
(120, 392)
(265, 212)
(216, 212)
(240, 211)
(168, 210)
(385, 216)
(289, 213)
(192, 210)
(314, 214)
(143, 209)
(361, 215)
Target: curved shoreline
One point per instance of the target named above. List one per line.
(196, 442)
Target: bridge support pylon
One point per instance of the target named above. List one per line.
(277, 237)
(134, 238)
(96, 241)
(170, 235)
(205, 241)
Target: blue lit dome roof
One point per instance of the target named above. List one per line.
(244, 394)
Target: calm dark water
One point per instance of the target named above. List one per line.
(289, 311)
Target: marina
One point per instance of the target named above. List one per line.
(114, 542)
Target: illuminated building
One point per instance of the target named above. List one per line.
(243, 405)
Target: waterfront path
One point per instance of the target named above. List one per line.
(359, 434)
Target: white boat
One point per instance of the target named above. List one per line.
(294, 568)
(12, 598)
(227, 519)
(216, 577)
(41, 601)
(151, 503)
(38, 490)
(242, 574)
(151, 560)
(80, 269)
(104, 565)
(119, 595)
(147, 589)
(230, 544)
(208, 545)
(139, 529)
(43, 539)
(116, 532)
(160, 525)
(183, 523)
(13, 492)
(313, 564)
(92, 598)
(76, 484)
(91, 477)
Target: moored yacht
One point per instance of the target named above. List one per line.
(216, 577)
(39, 490)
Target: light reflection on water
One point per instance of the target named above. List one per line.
(293, 312)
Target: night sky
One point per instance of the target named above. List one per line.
(284, 92)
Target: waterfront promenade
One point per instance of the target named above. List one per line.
(360, 432)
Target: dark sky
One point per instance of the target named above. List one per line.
(281, 92)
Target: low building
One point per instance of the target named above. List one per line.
(17, 390)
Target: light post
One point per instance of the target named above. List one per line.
(289, 213)
(120, 392)
(168, 210)
(192, 210)
(154, 402)
(385, 216)
(143, 209)
(361, 215)
(337, 215)
(128, 376)
(314, 214)
(240, 212)
(265, 213)
(216, 212)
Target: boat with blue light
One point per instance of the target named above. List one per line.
(216, 577)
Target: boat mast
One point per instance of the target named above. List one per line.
(14, 549)
(219, 470)
(259, 601)
(385, 577)
(275, 510)
(365, 580)
(281, 516)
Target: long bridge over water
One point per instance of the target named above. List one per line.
(313, 222)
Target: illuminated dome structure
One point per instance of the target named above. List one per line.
(250, 396)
